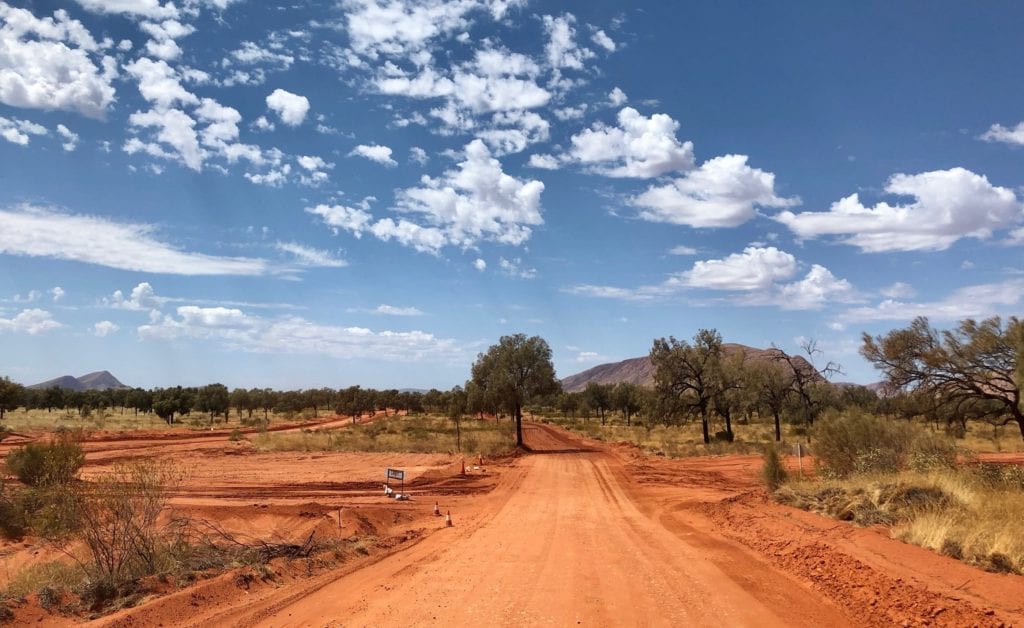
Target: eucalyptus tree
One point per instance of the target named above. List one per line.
(772, 382)
(457, 404)
(688, 376)
(973, 370)
(811, 389)
(514, 371)
(627, 398)
(599, 398)
(12, 395)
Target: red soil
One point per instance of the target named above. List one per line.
(574, 532)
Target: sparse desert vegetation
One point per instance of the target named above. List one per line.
(412, 434)
(920, 484)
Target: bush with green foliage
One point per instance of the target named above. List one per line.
(856, 442)
(46, 464)
(47, 506)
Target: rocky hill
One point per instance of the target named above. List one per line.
(640, 371)
(100, 380)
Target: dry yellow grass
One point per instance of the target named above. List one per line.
(60, 575)
(962, 513)
(113, 419)
(678, 441)
(686, 439)
(412, 434)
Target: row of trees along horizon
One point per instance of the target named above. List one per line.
(951, 377)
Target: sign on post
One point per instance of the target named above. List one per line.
(395, 474)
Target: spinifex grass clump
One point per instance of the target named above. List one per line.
(881, 472)
(773, 472)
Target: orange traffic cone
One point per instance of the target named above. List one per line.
(448, 519)
(437, 510)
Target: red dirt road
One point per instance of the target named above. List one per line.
(562, 543)
(590, 534)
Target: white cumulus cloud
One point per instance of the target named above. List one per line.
(948, 205)
(638, 146)
(18, 131)
(290, 108)
(756, 276)
(375, 152)
(722, 192)
(53, 63)
(31, 321)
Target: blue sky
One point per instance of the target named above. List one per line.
(373, 191)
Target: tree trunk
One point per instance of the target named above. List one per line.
(704, 428)
(458, 435)
(778, 427)
(728, 425)
(519, 425)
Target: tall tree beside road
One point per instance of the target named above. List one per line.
(515, 370)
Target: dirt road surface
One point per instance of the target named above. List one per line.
(562, 544)
(581, 533)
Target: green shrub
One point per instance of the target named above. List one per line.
(856, 442)
(235, 436)
(44, 464)
(773, 472)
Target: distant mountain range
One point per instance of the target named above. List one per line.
(640, 371)
(100, 380)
